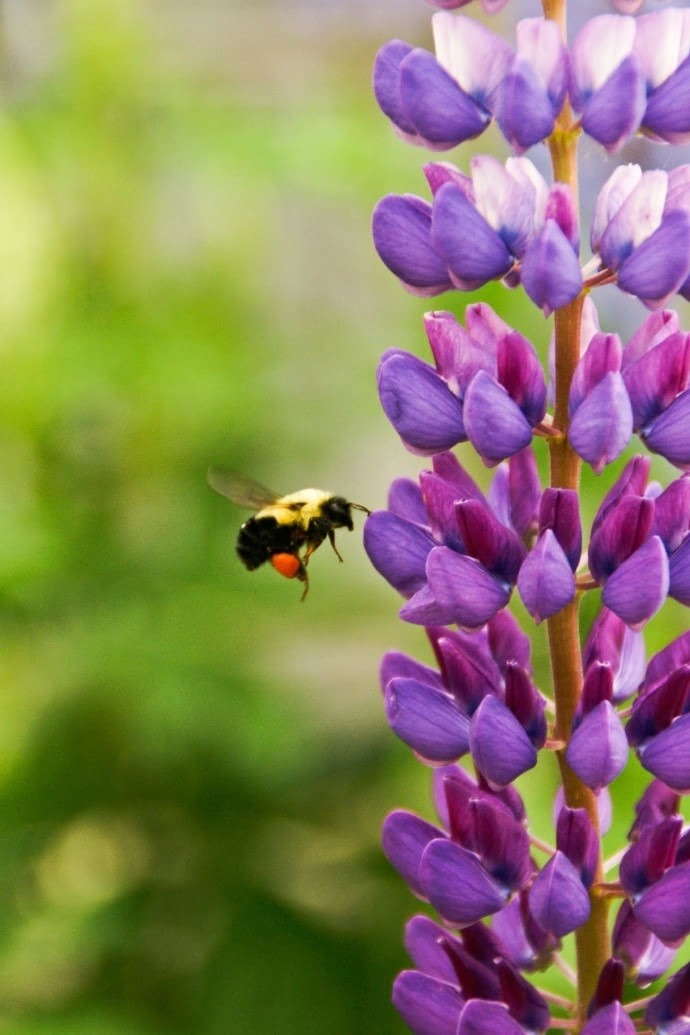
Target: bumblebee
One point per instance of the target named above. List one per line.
(283, 525)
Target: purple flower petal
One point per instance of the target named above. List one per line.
(638, 216)
(508, 642)
(631, 482)
(668, 107)
(494, 423)
(456, 883)
(612, 1020)
(386, 82)
(623, 531)
(604, 808)
(395, 665)
(465, 588)
(546, 582)
(524, 489)
(520, 372)
(398, 549)
(488, 540)
(469, 672)
(441, 112)
(494, 724)
(658, 267)
(476, 57)
(405, 501)
(525, 1004)
(427, 719)
(404, 837)
(667, 756)
(665, 906)
(645, 956)
(439, 501)
(610, 200)
(480, 1016)
(427, 1005)
(679, 573)
(615, 111)
(465, 243)
(671, 1005)
(523, 108)
(458, 356)
(401, 226)
(422, 943)
(551, 273)
(639, 587)
(656, 328)
(419, 405)
(673, 656)
(598, 749)
(602, 425)
(539, 42)
(447, 466)
(669, 434)
(577, 839)
(560, 512)
(602, 356)
(423, 609)
(596, 52)
(658, 377)
(558, 900)
(672, 514)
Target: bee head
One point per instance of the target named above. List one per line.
(337, 510)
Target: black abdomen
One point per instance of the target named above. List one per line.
(259, 538)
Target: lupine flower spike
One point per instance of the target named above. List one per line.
(498, 902)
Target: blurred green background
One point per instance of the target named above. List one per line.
(193, 765)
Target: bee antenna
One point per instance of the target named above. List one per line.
(358, 506)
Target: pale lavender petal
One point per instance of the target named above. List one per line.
(597, 51)
(558, 900)
(465, 243)
(655, 329)
(631, 667)
(615, 191)
(401, 227)
(658, 267)
(494, 423)
(464, 587)
(598, 749)
(639, 587)
(503, 200)
(405, 837)
(636, 219)
(546, 582)
(427, 1005)
(539, 42)
(439, 501)
(485, 326)
(398, 550)
(602, 426)
(667, 756)
(458, 356)
(476, 57)
(665, 906)
(457, 885)
(419, 405)
(669, 434)
(662, 42)
(427, 720)
(551, 273)
(494, 724)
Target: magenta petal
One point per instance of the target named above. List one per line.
(631, 482)
(439, 501)
(667, 756)
(520, 372)
(480, 1016)
(422, 943)
(665, 906)
(427, 1005)
(488, 540)
(401, 227)
(615, 111)
(679, 573)
(546, 582)
(551, 273)
(398, 550)
(442, 114)
(657, 268)
(602, 426)
(404, 837)
(612, 1020)
(639, 587)
(559, 511)
(465, 588)
(494, 423)
(654, 381)
(669, 434)
(427, 719)
(598, 749)
(493, 724)
(464, 241)
(623, 531)
(524, 489)
(457, 885)
(558, 900)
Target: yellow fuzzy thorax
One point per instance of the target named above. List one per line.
(285, 512)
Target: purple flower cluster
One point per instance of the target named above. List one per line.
(457, 554)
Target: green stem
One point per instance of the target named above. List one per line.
(592, 939)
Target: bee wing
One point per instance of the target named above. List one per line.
(240, 490)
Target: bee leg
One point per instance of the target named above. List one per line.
(331, 536)
(303, 577)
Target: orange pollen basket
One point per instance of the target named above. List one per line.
(286, 564)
